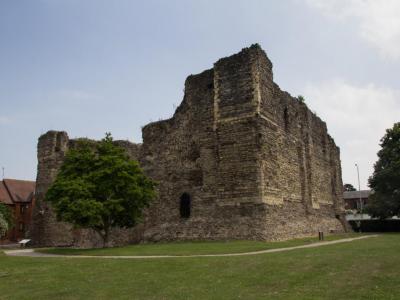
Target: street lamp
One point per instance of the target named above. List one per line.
(359, 190)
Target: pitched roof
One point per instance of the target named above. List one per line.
(356, 194)
(20, 190)
(4, 195)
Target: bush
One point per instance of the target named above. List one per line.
(301, 99)
(6, 212)
(3, 226)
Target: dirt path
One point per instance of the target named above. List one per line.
(32, 253)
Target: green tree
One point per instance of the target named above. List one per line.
(3, 225)
(347, 187)
(99, 187)
(7, 214)
(385, 181)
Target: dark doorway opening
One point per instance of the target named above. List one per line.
(185, 205)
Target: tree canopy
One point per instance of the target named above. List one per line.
(385, 181)
(3, 225)
(100, 187)
(7, 214)
(347, 187)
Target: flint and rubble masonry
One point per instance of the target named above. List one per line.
(255, 162)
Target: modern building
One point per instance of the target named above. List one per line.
(364, 222)
(354, 199)
(19, 196)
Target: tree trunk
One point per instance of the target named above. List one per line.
(105, 237)
(104, 234)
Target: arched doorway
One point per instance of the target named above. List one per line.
(185, 206)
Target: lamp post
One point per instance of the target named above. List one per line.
(359, 190)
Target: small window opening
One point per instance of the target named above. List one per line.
(185, 205)
(58, 142)
(193, 152)
(286, 118)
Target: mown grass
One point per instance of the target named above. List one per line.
(191, 248)
(362, 269)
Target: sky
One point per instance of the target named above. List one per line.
(93, 66)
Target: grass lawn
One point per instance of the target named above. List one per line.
(363, 269)
(191, 248)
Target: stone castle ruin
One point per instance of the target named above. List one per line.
(240, 159)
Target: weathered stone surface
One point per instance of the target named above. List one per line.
(46, 230)
(256, 162)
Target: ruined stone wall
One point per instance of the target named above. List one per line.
(255, 162)
(269, 169)
(208, 150)
(300, 163)
(46, 230)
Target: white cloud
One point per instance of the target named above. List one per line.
(378, 21)
(357, 117)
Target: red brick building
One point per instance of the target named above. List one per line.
(19, 196)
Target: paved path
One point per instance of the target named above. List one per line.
(32, 253)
